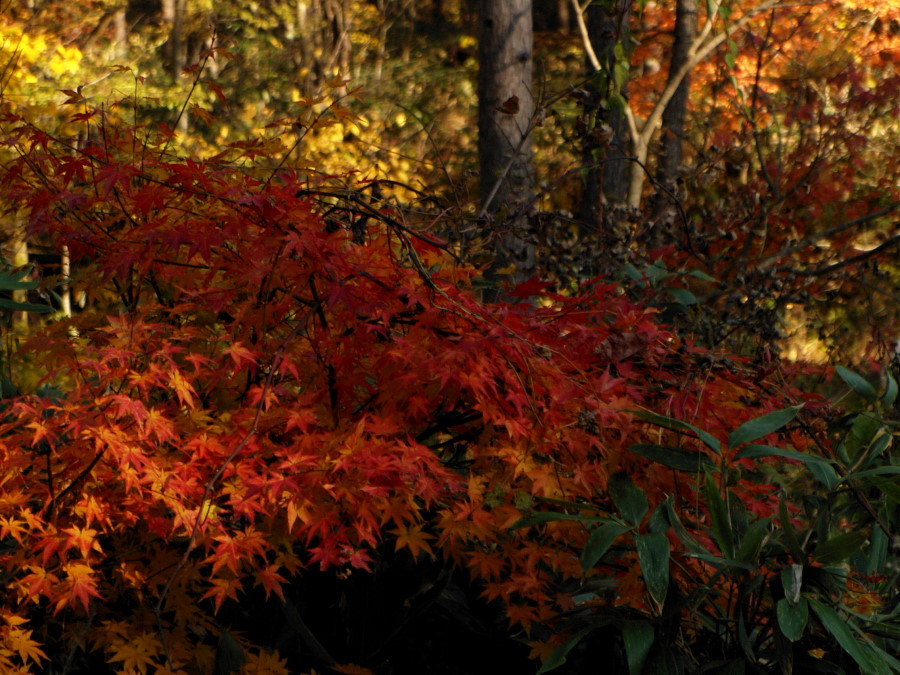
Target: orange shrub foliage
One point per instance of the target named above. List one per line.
(271, 376)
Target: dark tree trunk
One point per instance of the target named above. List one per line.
(606, 131)
(505, 116)
(670, 152)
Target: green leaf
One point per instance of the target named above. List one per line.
(867, 659)
(653, 553)
(857, 383)
(558, 656)
(890, 392)
(659, 521)
(25, 307)
(683, 296)
(628, 497)
(677, 425)
(686, 538)
(888, 487)
(825, 474)
(762, 426)
(752, 541)
(753, 450)
(792, 582)
(638, 638)
(617, 102)
(720, 518)
(792, 618)
(679, 459)
(790, 535)
(877, 556)
(880, 471)
(862, 432)
(697, 274)
(839, 548)
(229, 655)
(12, 281)
(729, 59)
(598, 543)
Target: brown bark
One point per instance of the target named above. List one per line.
(606, 140)
(505, 117)
(671, 143)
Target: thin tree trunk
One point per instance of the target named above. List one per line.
(671, 145)
(606, 139)
(505, 118)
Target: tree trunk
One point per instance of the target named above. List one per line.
(173, 14)
(505, 119)
(670, 152)
(606, 138)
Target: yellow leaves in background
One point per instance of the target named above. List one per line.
(27, 59)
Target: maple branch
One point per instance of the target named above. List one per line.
(871, 253)
(824, 234)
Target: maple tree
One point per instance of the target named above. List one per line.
(277, 378)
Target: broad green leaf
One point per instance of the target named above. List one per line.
(825, 474)
(558, 656)
(686, 538)
(792, 582)
(13, 281)
(880, 471)
(677, 425)
(857, 383)
(25, 307)
(653, 553)
(720, 518)
(659, 521)
(792, 618)
(549, 517)
(628, 498)
(790, 535)
(890, 661)
(752, 541)
(762, 426)
(866, 658)
(861, 435)
(638, 638)
(229, 655)
(877, 555)
(683, 296)
(752, 451)
(697, 274)
(679, 459)
(889, 487)
(729, 59)
(890, 392)
(598, 543)
(839, 548)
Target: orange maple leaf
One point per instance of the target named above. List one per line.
(19, 640)
(413, 538)
(81, 586)
(183, 389)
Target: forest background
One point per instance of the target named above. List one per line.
(348, 335)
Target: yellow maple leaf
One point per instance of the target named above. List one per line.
(413, 538)
(137, 653)
(19, 641)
